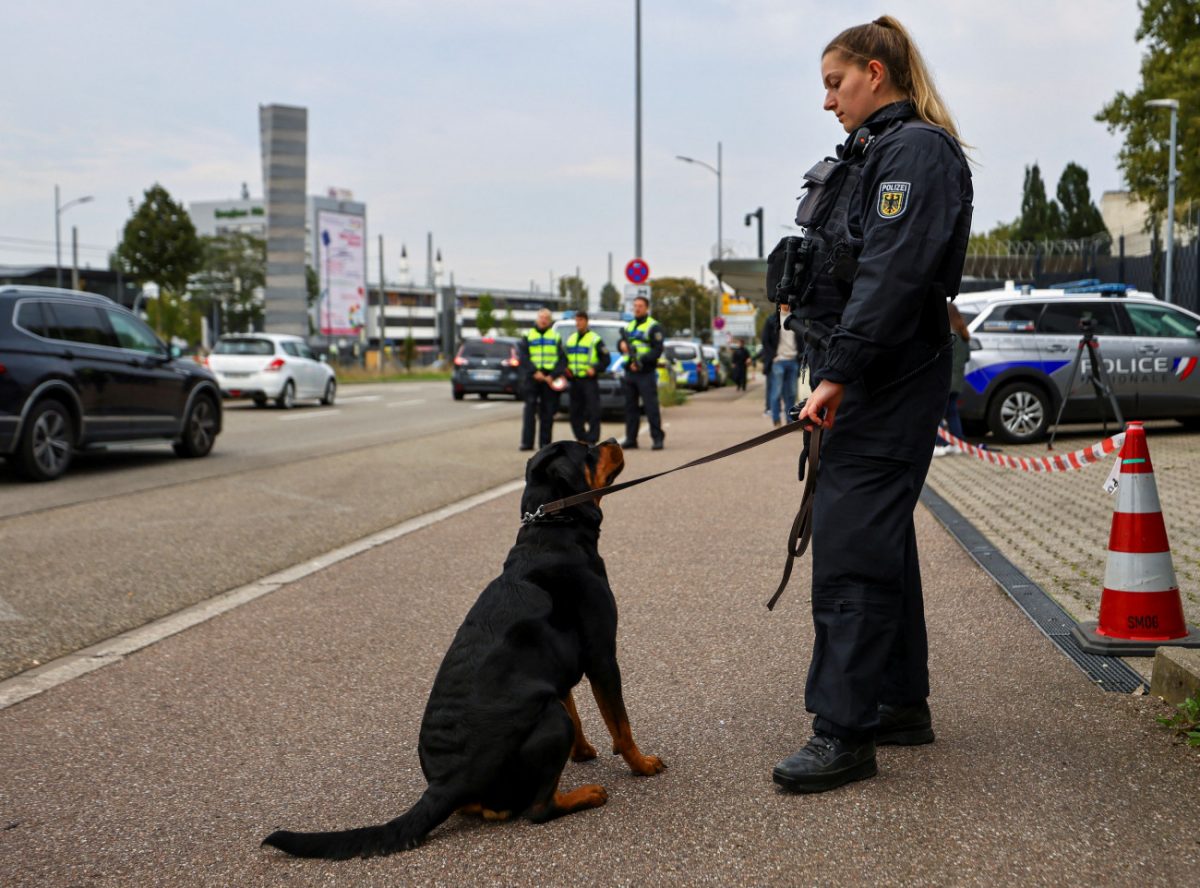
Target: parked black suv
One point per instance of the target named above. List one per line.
(486, 366)
(78, 370)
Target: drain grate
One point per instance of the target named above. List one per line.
(1110, 673)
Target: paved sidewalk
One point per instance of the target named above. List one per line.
(1055, 526)
(301, 710)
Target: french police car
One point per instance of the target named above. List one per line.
(689, 353)
(1024, 343)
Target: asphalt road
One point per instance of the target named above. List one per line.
(301, 710)
(134, 533)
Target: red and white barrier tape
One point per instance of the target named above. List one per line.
(1065, 463)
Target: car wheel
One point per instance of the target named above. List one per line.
(458, 396)
(330, 393)
(47, 442)
(1020, 413)
(199, 429)
(483, 396)
(260, 400)
(1189, 422)
(287, 398)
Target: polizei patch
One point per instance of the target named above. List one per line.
(893, 199)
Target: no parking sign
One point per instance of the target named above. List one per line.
(637, 271)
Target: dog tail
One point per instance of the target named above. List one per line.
(405, 832)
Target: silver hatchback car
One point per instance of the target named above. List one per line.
(1024, 343)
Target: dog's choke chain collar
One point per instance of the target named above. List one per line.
(801, 528)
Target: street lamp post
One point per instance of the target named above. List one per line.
(59, 209)
(720, 234)
(1173, 104)
(757, 214)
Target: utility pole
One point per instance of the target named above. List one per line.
(637, 236)
(74, 257)
(382, 325)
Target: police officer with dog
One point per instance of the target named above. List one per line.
(587, 358)
(642, 343)
(543, 364)
(885, 226)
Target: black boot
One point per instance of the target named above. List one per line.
(910, 725)
(826, 763)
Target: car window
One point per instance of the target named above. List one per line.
(85, 324)
(1064, 318)
(244, 347)
(480, 349)
(290, 348)
(1012, 317)
(30, 317)
(304, 351)
(133, 334)
(1153, 320)
(684, 352)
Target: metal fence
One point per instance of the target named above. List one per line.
(1139, 261)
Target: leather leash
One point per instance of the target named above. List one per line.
(801, 532)
(560, 504)
(798, 537)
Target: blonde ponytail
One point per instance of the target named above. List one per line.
(886, 40)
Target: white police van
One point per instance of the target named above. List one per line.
(1023, 343)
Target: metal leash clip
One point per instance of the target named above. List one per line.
(530, 517)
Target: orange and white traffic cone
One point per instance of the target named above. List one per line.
(1140, 607)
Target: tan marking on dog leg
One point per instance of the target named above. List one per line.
(590, 795)
(617, 721)
(496, 816)
(472, 810)
(581, 750)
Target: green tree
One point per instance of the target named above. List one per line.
(485, 317)
(312, 290)
(160, 246)
(509, 324)
(1170, 70)
(574, 292)
(410, 351)
(1080, 217)
(671, 301)
(1040, 218)
(233, 269)
(610, 298)
(176, 315)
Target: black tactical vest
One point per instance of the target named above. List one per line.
(836, 239)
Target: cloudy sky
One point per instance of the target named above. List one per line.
(506, 127)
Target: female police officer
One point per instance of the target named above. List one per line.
(889, 220)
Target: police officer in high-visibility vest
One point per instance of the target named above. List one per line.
(642, 343)
(543, 364)
(587, 358)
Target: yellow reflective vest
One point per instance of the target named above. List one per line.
(581, 352)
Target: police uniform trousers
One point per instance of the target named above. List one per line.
(541, 403)
(584, 407)
(645, 387)
(870, 644)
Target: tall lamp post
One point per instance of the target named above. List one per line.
(59, 209)
(757, 214)
(1173, 104)
(717, 170)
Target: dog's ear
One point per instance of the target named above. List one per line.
(554, 462)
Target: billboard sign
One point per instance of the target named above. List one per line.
(342, 271)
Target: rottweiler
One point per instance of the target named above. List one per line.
(500, 723)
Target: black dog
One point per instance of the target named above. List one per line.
(500, 722)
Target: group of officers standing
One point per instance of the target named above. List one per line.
(551, 365)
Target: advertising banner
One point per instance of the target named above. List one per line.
(342, 270)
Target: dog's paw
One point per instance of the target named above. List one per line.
(648, 765)
(583, 752)
(593, 795)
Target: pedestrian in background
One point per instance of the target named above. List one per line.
(587, 358)
(962, 354)
(766, 356)
(542, 362)
(892, 214)
(784, 377)
(642, 342)
(739, 361)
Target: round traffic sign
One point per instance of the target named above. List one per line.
(719, 322)
(637, 271)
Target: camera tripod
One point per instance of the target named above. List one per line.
(1101, 385)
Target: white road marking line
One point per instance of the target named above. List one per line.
(315, 415)
(406, 403)
(360, 398)
(43, 678)
(487, 406)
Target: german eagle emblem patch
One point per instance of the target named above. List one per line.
(893, 199)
